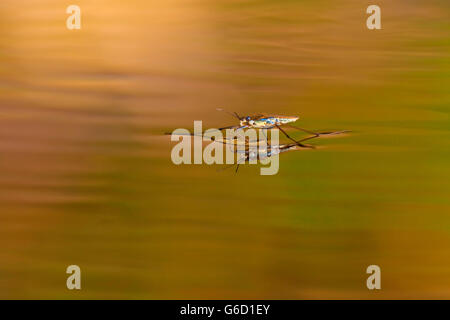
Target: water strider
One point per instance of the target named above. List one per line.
(252, 154)
(247, 152)
(265, 122)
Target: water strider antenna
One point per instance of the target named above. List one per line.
(233, 114)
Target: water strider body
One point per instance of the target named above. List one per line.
(265, 122)
(253, 154)
(259, 121)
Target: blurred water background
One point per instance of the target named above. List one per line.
(86, 176)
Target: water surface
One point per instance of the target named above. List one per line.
(86, 176)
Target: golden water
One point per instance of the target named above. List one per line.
(86, 176)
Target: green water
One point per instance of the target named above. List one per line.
(86, 176)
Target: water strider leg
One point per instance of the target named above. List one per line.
(265, 136)
(267, 140)
(308, 138)
(296, 142)
(240, 160)
(304, 130)
(233, 114)
(239, 163)
(316, 133)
